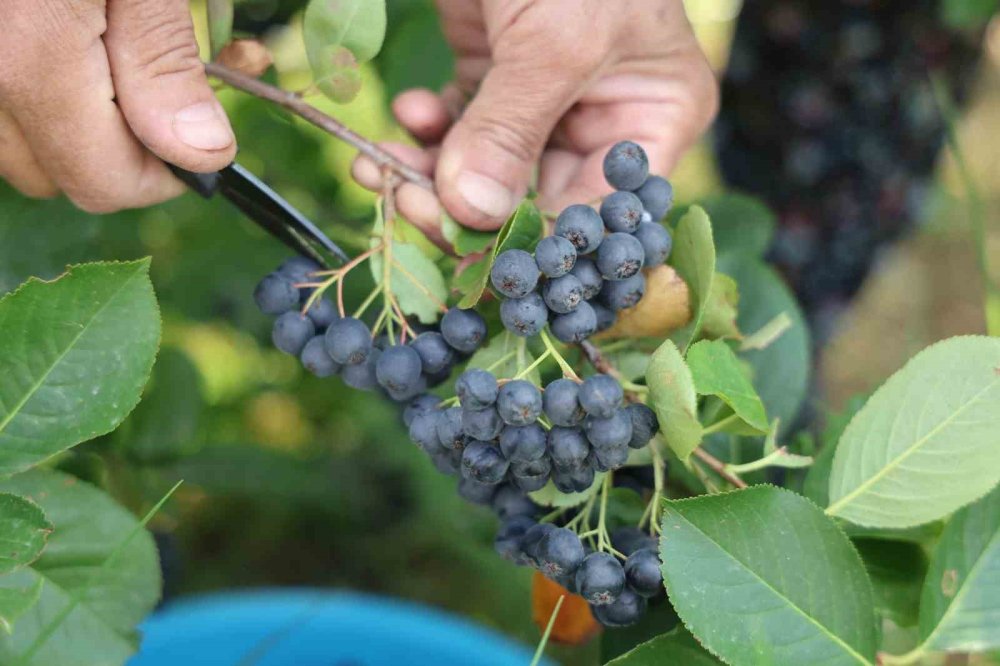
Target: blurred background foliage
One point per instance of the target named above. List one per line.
(291, 480)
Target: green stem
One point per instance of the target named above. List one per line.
(602, 533)
(567, 369)
(658, 484)
(368, 301)
(719, 425)
(634, 388)
(910, 657)
(554, 514)
(540, 650)
(537, 362)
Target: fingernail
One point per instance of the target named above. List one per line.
(486, 195)
(203, 126)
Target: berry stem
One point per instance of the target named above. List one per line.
(380, 321)
(294, 103)
(540, 650)
(522, 346)
(602, 539)
(537, 362)
(658, 483)
(337, 277)
(601, 364)
(567, 369)
(552, 515)
(369, 299)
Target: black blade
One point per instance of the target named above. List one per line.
(266, 207)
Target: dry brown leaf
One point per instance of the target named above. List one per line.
(575, 624)
(247, 56)
(665, 308)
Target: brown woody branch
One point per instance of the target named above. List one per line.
(306, 111)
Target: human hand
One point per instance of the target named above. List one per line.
(552, 83)
(63, 66)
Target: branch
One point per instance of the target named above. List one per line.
(296, 105)
(597, 359)
(602, 364)
(719, 467)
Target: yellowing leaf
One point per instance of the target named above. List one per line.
(664, 308)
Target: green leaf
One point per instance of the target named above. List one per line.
(417, 282)
(631, 364)
(164, 426)
(716, 371)
(721, 309)
(465, 241)
(23, 531)
(471, 278)
(741, 225)
(522, 231)
(967, 14)
(761, 576)
(501, 354)
(17, 596)
(470, 241)
(415, 54)
(672, 395)
(340, 35)
(677, 647)
(76, 353)
(897, 570)
(781, 370)
(220, 24)
(658, 619)
(924, 444)
(960, 602)
(89, 526)
(694, 259)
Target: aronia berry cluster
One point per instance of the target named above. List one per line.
(507, 437)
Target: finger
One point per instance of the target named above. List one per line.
(18, 165)
(488, 156)
(369, 175)
(161, 84)
(423, 210)
(63, 99)
(582, 181)
(423, 113)
(417, 205)
(666, 112)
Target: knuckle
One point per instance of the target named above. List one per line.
(168, 42)
(96, 201)
(512, 135)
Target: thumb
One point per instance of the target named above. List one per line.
(161, 86)
(488, 156)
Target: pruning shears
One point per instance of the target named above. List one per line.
(266, 208)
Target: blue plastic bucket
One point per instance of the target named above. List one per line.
(316, 628)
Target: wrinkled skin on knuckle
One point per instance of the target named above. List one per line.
(41, 35)
(518, 137)
(167, 40)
